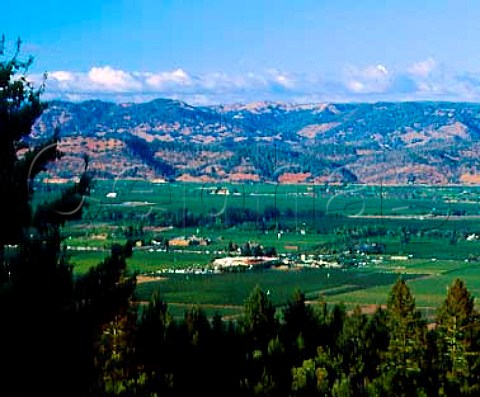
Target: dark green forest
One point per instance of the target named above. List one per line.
(66, 335)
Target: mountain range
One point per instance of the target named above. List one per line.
(391, 143)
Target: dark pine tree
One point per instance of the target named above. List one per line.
(457, 330)
(257, 326)
(49, 322)
(35, 278)
(405, 357)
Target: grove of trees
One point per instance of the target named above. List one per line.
(300, 349)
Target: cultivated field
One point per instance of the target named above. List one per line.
(428, 234)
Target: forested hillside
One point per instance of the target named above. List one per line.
(424, 142)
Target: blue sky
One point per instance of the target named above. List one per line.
(239, 51)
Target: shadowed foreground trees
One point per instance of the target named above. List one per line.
(49, 321)
(300, 350)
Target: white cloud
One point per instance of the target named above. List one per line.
(421, 80)
(355, 86)
(283, 79)
(380, 68)
(62, 75)
(159, 80)
(113, 79)
(422, 68)
(218, 81)
(372, 79)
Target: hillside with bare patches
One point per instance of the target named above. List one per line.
(408, 142)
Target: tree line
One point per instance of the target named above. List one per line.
(297, 350)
